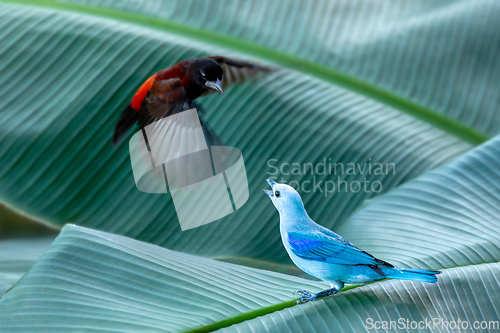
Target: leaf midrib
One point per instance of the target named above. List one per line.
(245, 316)
(371, 91)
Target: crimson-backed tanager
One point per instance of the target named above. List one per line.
(174, 89)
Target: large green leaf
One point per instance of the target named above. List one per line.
(437, 55)
(445, 218)
(95, 281)
(65, 77)
(464, 296)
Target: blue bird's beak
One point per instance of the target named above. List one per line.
(268, 192)
(271, 182)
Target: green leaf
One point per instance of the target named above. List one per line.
(67, 75)
(363, 46)
(97, 281)
(16, 258)
(463, 296)
(445, 218)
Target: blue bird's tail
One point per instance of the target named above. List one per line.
(420, 275)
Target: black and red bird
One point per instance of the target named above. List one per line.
(174, 89)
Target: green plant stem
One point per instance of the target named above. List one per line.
(405, 105)
(252, 315)
(242, 317)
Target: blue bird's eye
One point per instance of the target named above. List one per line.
(277, 194)
(203, 75)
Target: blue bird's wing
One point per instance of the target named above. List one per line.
(322, 247)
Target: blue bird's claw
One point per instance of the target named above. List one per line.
(307, 296)
(303, 292)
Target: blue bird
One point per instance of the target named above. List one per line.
(322, 253)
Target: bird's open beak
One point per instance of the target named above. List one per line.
(215, 86)
(271, 183)
(269, 193)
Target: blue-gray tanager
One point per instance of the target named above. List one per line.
(322, 253)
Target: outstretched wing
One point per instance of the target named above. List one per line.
(238, 70)
(321, 247)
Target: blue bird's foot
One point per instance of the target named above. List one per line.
(307, 296)
(303, 292)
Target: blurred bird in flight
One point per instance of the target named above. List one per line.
(174, 89)
(322, 253)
